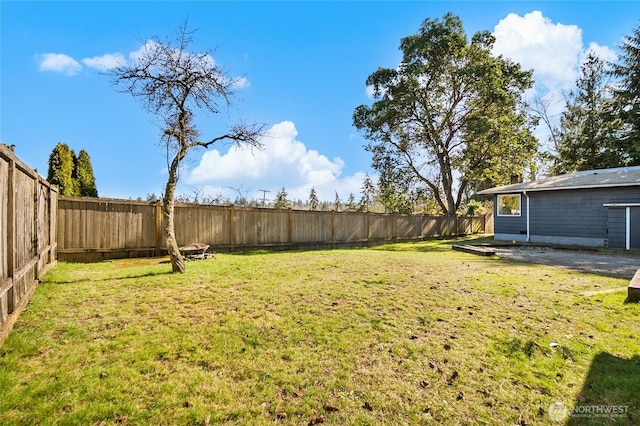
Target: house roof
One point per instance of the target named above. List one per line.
(603, 178)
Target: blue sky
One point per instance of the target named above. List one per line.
(305, 65)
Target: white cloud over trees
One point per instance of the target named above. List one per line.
(284, 162)
(554, 51)
(105, 62)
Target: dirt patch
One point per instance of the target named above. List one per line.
(607, 264)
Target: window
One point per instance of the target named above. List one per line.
(509, 205)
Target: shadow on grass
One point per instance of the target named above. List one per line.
(609, 394)
(113, 278)
(436, 245)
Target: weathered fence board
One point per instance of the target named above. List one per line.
(93, 229)
(98, 229)
(28, 243)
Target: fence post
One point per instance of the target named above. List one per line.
(157, 211)
(232, 228)
(289, 226)
(52, 206)
(11, 240)
(333, 228)
(368, 225)
(395, 227)
(36, 205)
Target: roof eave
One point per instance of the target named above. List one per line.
(520, 188)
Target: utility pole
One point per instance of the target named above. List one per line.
(264, 196)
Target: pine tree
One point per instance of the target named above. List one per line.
(313, 199)
(84, 175)
(281, 200)
(351, 204)
(337, 204)
(368, 192)
(587, 135)
(61, 170)
(627, 96)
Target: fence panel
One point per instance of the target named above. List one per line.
(27, 237)
(381, 227)
(202, 224)
(96, 229)
(350, 228)
(261, 227)
(310, 227)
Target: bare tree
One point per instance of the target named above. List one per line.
(174, 83)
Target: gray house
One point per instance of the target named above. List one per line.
(598, 208)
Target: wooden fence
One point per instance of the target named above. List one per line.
(98, 229)
(28, 206)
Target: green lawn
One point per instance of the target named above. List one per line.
(398, 334)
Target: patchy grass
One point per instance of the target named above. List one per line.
(399, 334)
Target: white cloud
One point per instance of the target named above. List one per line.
(284, 162)
(241, 83)
(553, 51)
(136, 55)
(58, 62)
(602, 52)
(105, 62)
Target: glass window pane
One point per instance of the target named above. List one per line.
(509, 205)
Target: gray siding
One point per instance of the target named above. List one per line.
(616, 223)
(511, 225)
(575, 214)
(571, 216)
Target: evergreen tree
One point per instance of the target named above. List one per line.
(61, 170)
(368, 192)
(337, 204)
(627, 96)
(313, 199)
(351, 205)
(281, 200)
(587, 135)
(84, 175)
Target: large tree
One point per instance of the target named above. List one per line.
(588, 136)
(627, 96)
(84, 175)
(174, 83)
(449, 117)
(62, 162)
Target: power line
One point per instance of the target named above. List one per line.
(264, 195)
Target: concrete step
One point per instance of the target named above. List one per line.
(479, 250)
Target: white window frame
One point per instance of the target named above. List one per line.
(519, 213)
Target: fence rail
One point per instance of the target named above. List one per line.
(98, 229)
(28, 206)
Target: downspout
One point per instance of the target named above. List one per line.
(527, 196)
(627, 230)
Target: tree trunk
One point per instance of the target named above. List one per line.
(177, 260)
